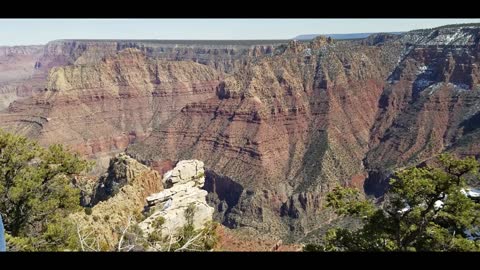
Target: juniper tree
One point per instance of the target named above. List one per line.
(425, 209)
(36, 193)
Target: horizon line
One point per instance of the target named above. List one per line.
(145, 39)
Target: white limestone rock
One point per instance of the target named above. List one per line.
(183, 190)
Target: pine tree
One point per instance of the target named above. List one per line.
(37, 194)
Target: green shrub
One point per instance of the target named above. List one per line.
(37, 193)
(190, 212)
(408, 220)
(155, 236)
(158, 222)
(88, 210)
(138, 216)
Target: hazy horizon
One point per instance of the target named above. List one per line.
(17, 32)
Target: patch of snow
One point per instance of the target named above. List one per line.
(422, 83)
(438, 204)
(422, 69)
(399, 59)
(450, 38)
(461, 87)
(307, 52)
(473, 193)
(392, 81)
(364, 58)
(434, 87)
(404, 210)
(456, 36)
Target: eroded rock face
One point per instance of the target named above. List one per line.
(431, 102)
(181, 200)
(112, 210)
(287, 129)
(223, 55)
(124, 170)
(185, 171)
(26, 68)
(98, 110)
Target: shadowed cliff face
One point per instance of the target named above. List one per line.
(224, 194)
(278, 125)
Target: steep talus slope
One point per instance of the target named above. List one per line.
(100, 108)
(287, 129)
(432, 100)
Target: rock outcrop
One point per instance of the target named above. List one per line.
(181, 201)
(119, 197)
(124, 170)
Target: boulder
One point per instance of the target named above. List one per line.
(182, 201)
(185, 171)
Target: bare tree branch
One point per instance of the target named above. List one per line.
(80, 238)
(83, 241)
(189, 242)
(119, 248)
(170, 242)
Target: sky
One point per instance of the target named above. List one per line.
(41, 31)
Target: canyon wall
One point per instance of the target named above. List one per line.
(276, 124)
(431, 101)
(99, 109)
(26, 68)
(287, 129)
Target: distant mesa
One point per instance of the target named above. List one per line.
(341, 36)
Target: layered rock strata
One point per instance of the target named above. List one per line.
(98, 110)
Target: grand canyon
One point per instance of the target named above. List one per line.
(271, 126)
